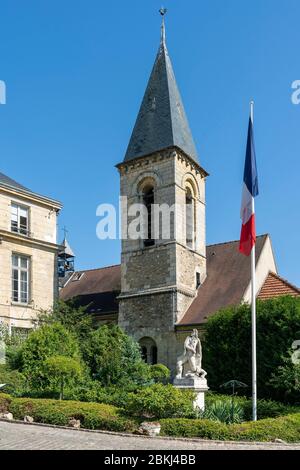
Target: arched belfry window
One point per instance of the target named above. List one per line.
(148, 200)
(190, 218)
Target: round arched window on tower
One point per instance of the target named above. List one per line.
(189, 218)
(148, 200)
(148, 350)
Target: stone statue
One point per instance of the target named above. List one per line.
(192, 356)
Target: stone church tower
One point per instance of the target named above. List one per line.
(160, 275)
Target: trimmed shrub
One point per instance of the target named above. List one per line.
(91, 415)
(5, 401)
(160, 373)
(286, 428)
(161, 401)
(92, 391)
(203, 428)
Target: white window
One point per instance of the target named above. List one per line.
(19, 219)
(20, 278)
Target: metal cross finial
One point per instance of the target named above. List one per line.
(163, 11)
(64, 229)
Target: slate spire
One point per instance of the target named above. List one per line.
(161, 121)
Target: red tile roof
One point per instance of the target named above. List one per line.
(275, 286)
(228, 275)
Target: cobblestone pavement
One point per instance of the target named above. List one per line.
(18, 436)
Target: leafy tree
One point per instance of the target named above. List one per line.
(227, 343)
(43, 343)
(75, 319)
(62, 371)
(114, 358)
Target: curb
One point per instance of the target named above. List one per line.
(158, 438)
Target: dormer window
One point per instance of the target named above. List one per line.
(19, 219)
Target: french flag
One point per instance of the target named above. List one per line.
(250, 191)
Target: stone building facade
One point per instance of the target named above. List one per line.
(28, 253)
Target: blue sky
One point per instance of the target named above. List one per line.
(76, 71)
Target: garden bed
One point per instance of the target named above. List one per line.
(91, 415)
(110, 418)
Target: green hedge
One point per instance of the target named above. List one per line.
(204, 428)
(227, 345)
(91, 415)
(108, 417)
(286, 428)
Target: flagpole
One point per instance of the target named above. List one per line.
(253, 309)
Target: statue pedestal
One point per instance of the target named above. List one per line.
(197, 385)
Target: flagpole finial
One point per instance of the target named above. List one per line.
(252, 110)
(163, 12)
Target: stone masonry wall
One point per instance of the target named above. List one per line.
(149, 268)
(151, 316)
(168, 268)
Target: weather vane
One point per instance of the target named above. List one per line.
(162, 11)
(64, 229)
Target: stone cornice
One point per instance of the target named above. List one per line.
(156, 291)
(165, 243)
(170, 152)
(31, 197)
(28, 241)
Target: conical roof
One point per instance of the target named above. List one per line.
(161, 121)
(67, 251)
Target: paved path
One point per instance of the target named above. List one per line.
(18, 436)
